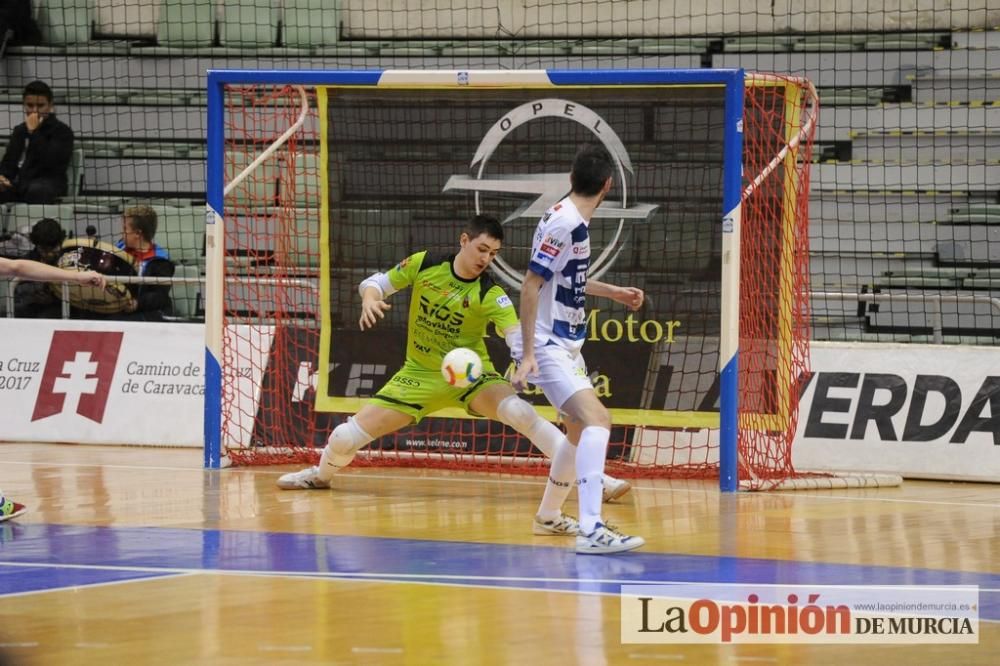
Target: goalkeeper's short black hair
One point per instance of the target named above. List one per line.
(484, 224)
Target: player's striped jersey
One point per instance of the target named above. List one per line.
(447, 311)
(560, 253)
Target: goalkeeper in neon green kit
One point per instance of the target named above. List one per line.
(452, 304)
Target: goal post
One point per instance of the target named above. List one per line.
(702, 383)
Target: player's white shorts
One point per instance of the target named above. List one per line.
(561, 374)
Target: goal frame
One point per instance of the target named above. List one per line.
(732, 79)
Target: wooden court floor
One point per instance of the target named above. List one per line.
(139, 556)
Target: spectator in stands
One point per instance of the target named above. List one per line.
(17, 25)
(149, 301)
(34, 167)
(34, 299)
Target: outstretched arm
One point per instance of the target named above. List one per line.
(374, 289)
(36, 271)
(630, 297)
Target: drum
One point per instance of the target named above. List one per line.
(86, 254)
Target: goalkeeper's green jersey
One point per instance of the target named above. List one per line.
(447, 311)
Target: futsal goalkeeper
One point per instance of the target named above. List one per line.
(452, 304)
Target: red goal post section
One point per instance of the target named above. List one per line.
(387, 163)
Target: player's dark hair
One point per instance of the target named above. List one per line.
(484, 224)
(592, 167)
(38, 88)
(47, 233)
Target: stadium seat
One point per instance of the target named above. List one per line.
(186, 23)
(260, 188)
(74, 174)
(249, 23)
(305, 188)
(181, 230)
(310, 23)
(306, 252)
(65, 21)
(20, 215)
(186, 296)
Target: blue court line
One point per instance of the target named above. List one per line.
(159, 551)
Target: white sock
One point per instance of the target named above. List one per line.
(546, 437)
(562, 475)
(590, 457)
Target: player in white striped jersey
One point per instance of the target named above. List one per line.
(553, 328)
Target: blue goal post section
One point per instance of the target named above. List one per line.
(591, 99)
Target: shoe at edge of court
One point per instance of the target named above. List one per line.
(17, 509)
(306, 479)
(604, 540)
(615, 488)
(564, 525)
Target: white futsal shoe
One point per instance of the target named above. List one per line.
(306, 479)
(564, 525)
(605, 540)
(614, 488)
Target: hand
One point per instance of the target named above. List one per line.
(4, 183)
(132, 305)
(92, 278)
(630, 297)
(528, 366)
(33, 120)
(371, 311)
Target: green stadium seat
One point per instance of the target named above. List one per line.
(20, 215)
(64, 22)
(74, 174)
(260, 188)
(758, 44)
(186, 295)
(976, 214)
(306, 185)
(306, 252)
(310, 23)
(186, 23)
(181, 230)
(249, 23)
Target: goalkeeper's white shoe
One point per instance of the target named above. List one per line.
(615, 488)
(306, 479)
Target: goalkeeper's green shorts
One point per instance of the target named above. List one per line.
(418, 391)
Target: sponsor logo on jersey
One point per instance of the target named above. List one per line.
(504, 301)
(551, 250)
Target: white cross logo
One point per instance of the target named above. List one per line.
(79, 378)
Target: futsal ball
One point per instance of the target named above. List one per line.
(462, 367)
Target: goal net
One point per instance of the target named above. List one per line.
(320, 180)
